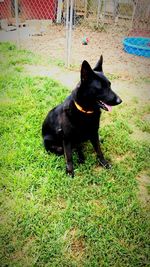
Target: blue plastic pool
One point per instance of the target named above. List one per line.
(139, 46)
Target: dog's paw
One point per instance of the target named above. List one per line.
(104, 163)
(71, 174)
(108, 165)
(70, 171)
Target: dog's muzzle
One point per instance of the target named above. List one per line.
(104, 106)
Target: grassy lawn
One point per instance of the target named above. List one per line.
(48, 219)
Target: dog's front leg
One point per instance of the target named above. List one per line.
(96, 144)
(68, 157)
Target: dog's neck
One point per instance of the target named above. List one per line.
(82, 110)
(77, 96)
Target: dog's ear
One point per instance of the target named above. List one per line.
(99, 64)
(86, 71)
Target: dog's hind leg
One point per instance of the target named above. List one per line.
(81, 157)
(50, 146)
(68, 156)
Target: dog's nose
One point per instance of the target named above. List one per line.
(118, 100)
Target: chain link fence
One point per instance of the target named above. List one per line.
(72, 30)
(103, 25)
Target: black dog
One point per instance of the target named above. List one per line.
(77, 119)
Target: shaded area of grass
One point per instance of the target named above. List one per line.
(48, 219)
(12, 59)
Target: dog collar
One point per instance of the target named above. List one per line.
(81, 109)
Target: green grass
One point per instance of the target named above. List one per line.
(49, 219)
(12, 59)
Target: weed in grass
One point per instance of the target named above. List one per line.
(48, 219)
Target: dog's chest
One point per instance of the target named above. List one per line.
(83, 126)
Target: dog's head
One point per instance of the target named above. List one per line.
(95, 89)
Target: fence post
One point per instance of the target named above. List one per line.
(69, 20)
(98, 11)
(67, 26)
(104, 8)
(17, 23)
(59, 11)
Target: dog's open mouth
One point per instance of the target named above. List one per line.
(104, 106)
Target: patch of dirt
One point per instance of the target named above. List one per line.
(140, 135)
(119, 158)
(53, 43)
(76, 248)
(146, 117)
(144, 181)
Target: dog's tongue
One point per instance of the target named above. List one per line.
(109, 108)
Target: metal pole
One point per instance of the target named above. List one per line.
(115, 11)
(59, 11)
(17, 23)
(98, 11)
(133, 14)
(104, 8)
(67, 30)
(85, 9)
(70, 33)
